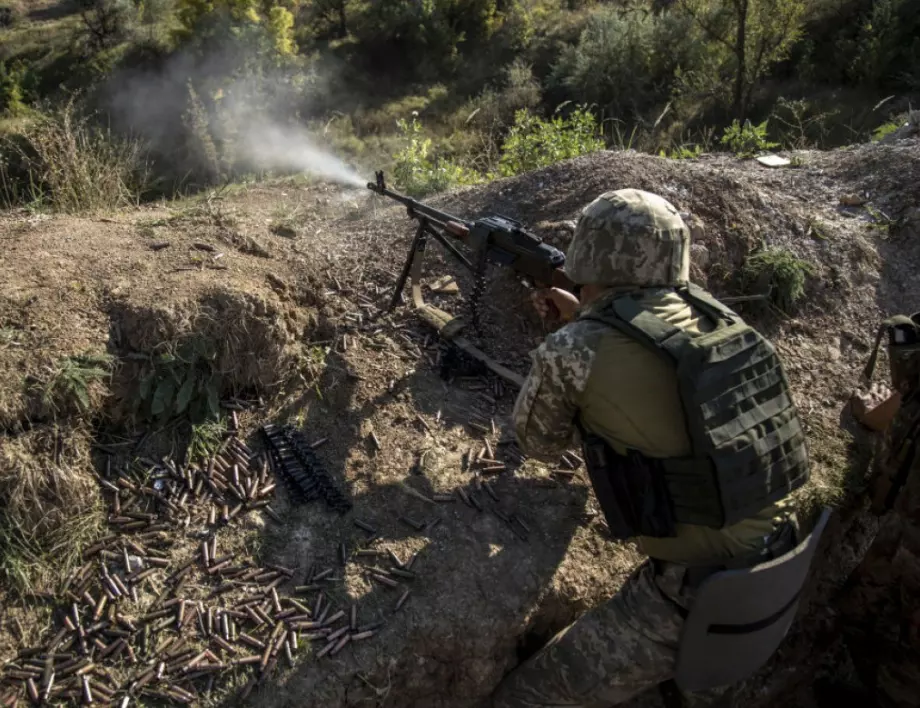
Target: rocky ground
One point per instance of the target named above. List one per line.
(284, 283)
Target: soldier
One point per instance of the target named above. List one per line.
(691, 441)
(880, 606)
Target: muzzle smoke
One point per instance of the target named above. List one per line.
(270, 146)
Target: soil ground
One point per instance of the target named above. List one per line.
(291, 279)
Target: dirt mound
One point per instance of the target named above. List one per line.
(93, 314)
(293, 314)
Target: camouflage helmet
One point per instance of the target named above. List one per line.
(630, 237)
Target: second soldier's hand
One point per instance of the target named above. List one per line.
(555, 303)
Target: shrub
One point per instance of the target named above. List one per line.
(10, 14)
(421, 40)
(887, 50)
(625, 60)
(250, 34)
(11, 94)
(497, 106)
(71, 165)
(202, 160)
(418, 173)
(804, 124)
(534, 142)
(611, 66)
(747, 140)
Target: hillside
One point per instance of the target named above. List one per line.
(276, 291)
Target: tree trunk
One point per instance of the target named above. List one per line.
(741, 10)
(343, 26)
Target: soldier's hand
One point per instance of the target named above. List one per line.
(555, 303)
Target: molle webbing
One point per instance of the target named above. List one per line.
(748, 444)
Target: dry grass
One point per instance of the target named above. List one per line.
(63, 161)
(50, 505)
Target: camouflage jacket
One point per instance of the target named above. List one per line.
(629, 396)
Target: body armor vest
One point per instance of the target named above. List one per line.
(748, 446)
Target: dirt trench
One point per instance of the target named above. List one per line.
(297, 323)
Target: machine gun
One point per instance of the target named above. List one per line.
(491, 239)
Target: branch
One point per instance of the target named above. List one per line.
(708, 29)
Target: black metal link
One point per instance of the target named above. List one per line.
(301, 469)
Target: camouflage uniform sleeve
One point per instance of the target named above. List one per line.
(545, 410)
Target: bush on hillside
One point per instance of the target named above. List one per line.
(421, 40)
(887, 50)
(418, 172)
(534, 142)
(64, 161)
(625, 60)
(487, 117)
(11, 92)
(10, 14)
(248, 35)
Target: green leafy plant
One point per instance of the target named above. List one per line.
(783, 271)
(11, 93)
(885, 130)
(880, 221)
(747, 140)
(534, 142)
(205, 439)
(69, 381)
(817, 230)
(417, 172)
(180, 383)
(682, 152)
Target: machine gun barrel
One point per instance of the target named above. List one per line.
(454, 225)
(494, 238)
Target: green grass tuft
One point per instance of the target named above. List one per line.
(783, 271)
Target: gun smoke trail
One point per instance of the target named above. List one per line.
(273, 146)
(252, 122)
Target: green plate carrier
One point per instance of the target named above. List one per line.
(749, 449)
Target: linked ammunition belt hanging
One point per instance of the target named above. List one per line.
(475, 296)
(300, 468)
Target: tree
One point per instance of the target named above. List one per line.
(242, 28)
(106, 21)
(749, 35)
(328, 17)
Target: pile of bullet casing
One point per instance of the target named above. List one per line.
(137, 623)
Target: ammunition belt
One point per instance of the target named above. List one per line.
(456, 362)
(300, 468)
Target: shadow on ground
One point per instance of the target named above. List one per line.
(482, 592)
